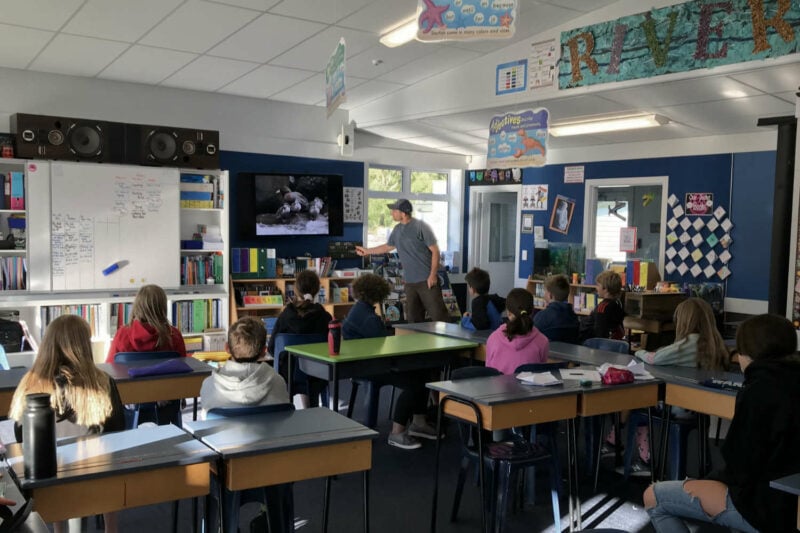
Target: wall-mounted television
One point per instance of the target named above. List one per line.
(284, 204)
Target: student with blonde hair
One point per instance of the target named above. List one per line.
(605, 321)
(149, 329)
(85, 398)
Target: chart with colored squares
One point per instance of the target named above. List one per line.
(512, 77)
(698, 238)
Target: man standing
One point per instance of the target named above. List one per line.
(419, 254)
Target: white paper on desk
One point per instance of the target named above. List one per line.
(543, 379)
(580, 374)
(639, 373)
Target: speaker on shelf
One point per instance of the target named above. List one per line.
(70, 139)
(173, 147)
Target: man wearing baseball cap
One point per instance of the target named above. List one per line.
(419, 254)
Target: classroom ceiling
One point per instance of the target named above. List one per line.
(277, 50)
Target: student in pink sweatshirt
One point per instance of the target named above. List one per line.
(518, 341)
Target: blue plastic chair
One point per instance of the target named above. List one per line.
(278, 499)
(3, 359)
(301, 382)
(150, 411)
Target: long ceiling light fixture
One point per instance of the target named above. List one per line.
(401, 34)
(602, 125)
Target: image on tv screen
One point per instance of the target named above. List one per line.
(291, 205)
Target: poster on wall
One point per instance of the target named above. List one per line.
(353, 204)
(494, 176)
(534, 197)
(561, 216)
(335, 94)
(511, 77)
(699, 204)
(627, 240)
(518, 139)
(462, 20)
(542, 64)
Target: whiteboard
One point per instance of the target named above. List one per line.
(103, 214)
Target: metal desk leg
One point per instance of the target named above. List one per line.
(289, 376)
(662, 459)
(335, 388)
(327, 504)
(572, 478)
(434, 500)
(366, 501)
(702, 434)
(651, 436)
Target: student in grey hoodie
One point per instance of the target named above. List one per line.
(244, 381)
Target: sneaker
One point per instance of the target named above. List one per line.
(404, 440)
(607, 449)
(424, 431)
(640, 467)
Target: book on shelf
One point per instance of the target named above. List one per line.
(13, 273)
(201, 191)
(266, 299)
(214, 340)
(17, 200)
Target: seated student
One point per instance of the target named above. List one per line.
(362, 323)
(516, 342)
(244, 380)
(486, 308)
(557, 321)
(761, 444)
(85, 398)
(304, 315)
(605, 321)
(149, 329)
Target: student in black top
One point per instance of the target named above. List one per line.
(605, 321)
(762, 443)
(303, 315)
(486, 308)
(557, 321)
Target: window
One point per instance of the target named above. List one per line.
(428, 190)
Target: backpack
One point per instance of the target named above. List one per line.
(11, 335)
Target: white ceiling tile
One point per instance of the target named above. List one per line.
(390, 58)
(328, 11)
(774, 79)
(312, 90)
(265, 38)
(464, 121)
(430, 142)
(260, 5)
(576, 141)
(581, 106)
(483, 133)
(40, 14)
(691, 91)
(729, 116)
(438, 61)
(265, 81)
(77, 56)
(667, 131)
(380, 15)
(145, 64)
(18, 46)
(369, 91)
(119, 20)
(209, 73)
(314, 53)
(788, 96)
(400, 130)
(197, 26)
(578, 5)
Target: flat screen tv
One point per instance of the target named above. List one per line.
(272, 205)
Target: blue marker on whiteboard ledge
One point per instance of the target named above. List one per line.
(114, 267)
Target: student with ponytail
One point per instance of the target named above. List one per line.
(517, 342)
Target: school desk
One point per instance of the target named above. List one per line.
(360, 358)
(287, 446)
(9, 379)
(504, 402)
(790, 484)
(116, 471)
(447, 329)
(577, 353)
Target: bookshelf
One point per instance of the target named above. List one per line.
(37, 302)
(583, 297)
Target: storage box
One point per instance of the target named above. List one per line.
(659, 306)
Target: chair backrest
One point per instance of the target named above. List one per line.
(610, 345)
(130, 357)
(541, 367)
(495, 318)
(230, 412)
(282, 340)
(469, 372)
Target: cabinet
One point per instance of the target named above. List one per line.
(37, 303)
(583, 297)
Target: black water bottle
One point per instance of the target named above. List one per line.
(334, 337)
(39, 437)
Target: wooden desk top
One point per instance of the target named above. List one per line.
(446, 329)
(279, 431)
(576, 353)
(117, 454)
(119, 371)
(379, 347)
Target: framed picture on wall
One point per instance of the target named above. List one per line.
(527, 223)
(561, 216)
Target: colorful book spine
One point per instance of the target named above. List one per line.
(17, 190)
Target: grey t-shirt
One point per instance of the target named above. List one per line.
(412, 241)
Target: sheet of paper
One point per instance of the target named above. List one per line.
(697, 255)
(711, 257)
(719, 212)
(579, 374)
(682, 269)
(685, 224)
(538, 378)
(712, 224)
(696, 270)
(725, 256)
(685, 237)
(677, 211)
(672, 200)
(709, 271)
(726, 225)
(698, 224)
(670, 267)
(671, 252)
(712, 240)
(697, 239)
(672, 237)
(683, 253)
(672, 223)
(639, 372)
(723, 272)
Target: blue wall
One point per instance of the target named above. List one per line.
(236, 162)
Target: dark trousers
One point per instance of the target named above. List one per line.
(413, 397)
(421, 298)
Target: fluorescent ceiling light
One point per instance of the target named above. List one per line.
(401, 34)
(628, 122)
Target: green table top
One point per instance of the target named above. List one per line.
(375, 348)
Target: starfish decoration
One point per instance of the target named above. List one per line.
(432, 15)
(506, 20)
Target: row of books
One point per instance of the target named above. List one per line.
(197, 269)
(640, 273)
(13, 273)
(89, 312)
(120, 316)
(584, 301)
(195, 316)
(13, 190)
(201, 191)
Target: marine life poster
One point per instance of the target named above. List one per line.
(518, 139)
(466, 19)
(335, 90)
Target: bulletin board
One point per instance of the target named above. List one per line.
(106, 214)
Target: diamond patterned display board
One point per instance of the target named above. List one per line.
(698, 245)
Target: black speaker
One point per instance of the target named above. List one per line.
(70, 139)
(173, 147)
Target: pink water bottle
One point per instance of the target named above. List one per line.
(334, 337)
